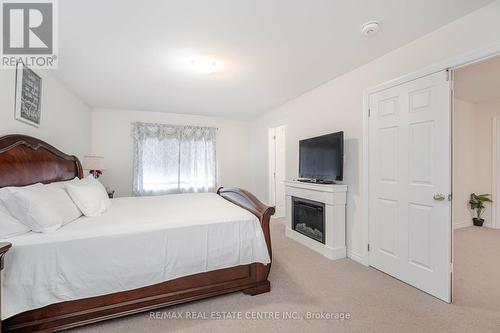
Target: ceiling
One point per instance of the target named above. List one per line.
(479, 82)
(130, 54)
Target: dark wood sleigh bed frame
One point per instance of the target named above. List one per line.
(26, 160)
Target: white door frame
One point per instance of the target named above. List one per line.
(451, 64)
(272, 163)
(495, 175)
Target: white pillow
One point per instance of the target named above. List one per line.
(6, 194)
(9, 226)
(63, 183)
(41, 208)
(89, 195)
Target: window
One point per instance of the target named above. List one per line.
(173, 159)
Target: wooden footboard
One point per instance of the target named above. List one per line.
(249, 202)
(26, 160)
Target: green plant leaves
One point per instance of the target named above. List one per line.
(477, 203)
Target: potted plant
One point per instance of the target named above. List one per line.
(477, 203)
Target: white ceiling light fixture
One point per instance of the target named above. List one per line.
(205, 64)
(370, 28)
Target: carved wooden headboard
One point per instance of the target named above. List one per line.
(25, 160)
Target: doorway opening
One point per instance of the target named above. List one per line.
(277, 164)
(476, 169)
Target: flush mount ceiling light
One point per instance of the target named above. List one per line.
(205, 64)
(370, 28)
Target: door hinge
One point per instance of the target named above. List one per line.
(369, 112)
(368, 247)
(448, 74)
(450, 197)
(451, 267)
(274, 137)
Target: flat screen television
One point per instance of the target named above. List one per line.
(322, 158)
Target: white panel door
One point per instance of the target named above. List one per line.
(410, 180)
(280, 171)
(277, 162)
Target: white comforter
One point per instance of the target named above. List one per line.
(138, 242)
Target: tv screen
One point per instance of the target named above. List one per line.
(322, 158)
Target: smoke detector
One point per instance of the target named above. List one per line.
(370, 28)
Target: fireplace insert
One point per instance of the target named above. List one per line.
(308, 218)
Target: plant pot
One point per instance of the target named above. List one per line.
(478, 222)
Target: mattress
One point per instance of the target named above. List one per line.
(138, 242)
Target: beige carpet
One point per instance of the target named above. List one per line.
(304, 281)
(477, 268)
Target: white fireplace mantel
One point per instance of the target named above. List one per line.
(334, 198)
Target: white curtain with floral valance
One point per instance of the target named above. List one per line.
(173, 159)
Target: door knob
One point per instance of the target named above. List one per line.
(439, 197)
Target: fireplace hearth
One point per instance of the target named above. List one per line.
(308, 218)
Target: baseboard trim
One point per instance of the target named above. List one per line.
(355, 256)
(462, 224)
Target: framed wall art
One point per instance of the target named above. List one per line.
(28, 96)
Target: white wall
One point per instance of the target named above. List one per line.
(65, 120)
(111, 138)
(483, 183)
(464, 161)
(338, 105)
(473, 146)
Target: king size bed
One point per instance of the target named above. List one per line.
(144, 253)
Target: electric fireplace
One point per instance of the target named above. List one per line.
(308, 218)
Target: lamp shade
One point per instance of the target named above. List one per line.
(93, 163)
